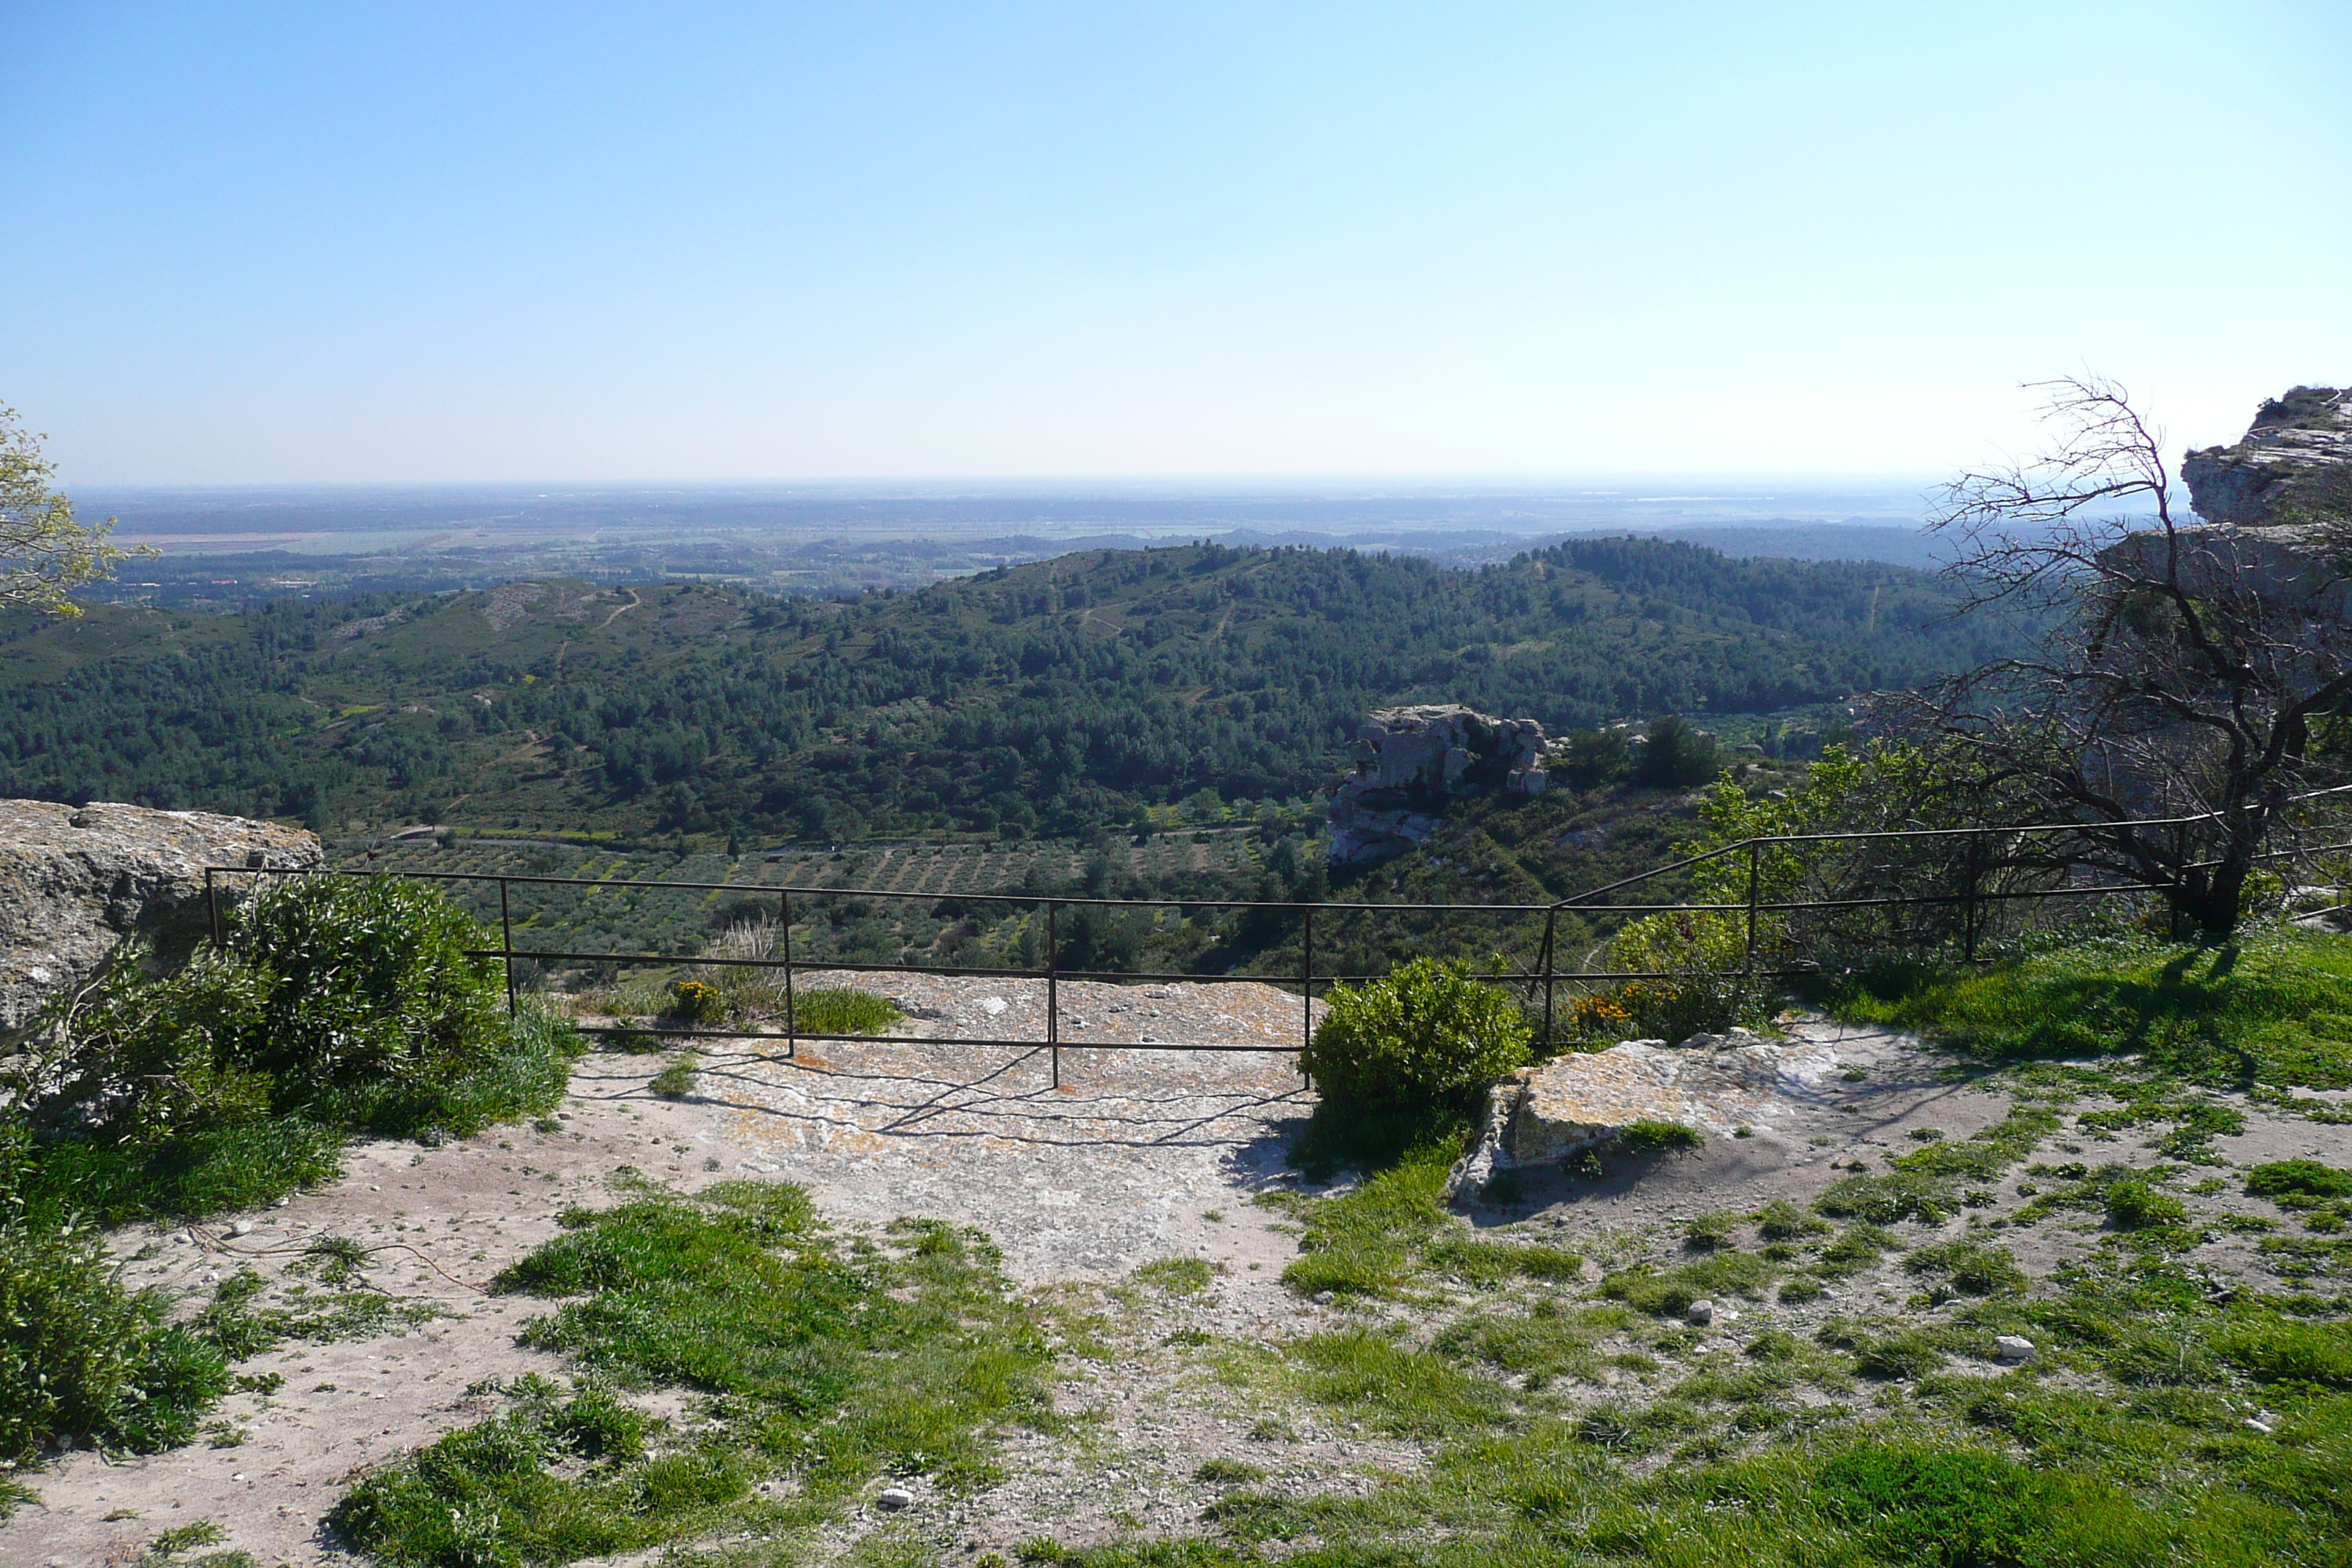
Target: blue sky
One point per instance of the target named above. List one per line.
(511, 242)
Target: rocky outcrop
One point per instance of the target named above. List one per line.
(76, 881)
(1411, 761)
(2275, 508)
(1710, 1083)
(2293, 468)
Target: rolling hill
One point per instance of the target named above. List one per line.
(1057, 697)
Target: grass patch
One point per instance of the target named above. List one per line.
(1368, 1242)
(1177, 1276)
(1648, 1137)
(2298, 1178)
(806, 1358)
(840, 1010)
(1926, 1185)
(676, 1078)
(1669, 1292)
(2274, 1009)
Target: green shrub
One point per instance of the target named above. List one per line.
(80, 1356)
(1425, 1033)
(335, 1005)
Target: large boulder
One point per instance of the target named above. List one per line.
(1712, 1084)
(76, 881)
(1411, 761)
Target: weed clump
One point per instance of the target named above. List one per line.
(2298, 1178)
(1651, 1137)
(841, 1010)
(1425, 1033)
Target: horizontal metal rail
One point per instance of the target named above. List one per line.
(1547, 971)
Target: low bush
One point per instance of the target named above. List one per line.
(80, 1357)
(698, 1002)
(335, 1005)
(1426, 1033)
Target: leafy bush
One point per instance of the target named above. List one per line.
(335, 1005)
(1425, 1033)
(80, 1357)
(1701, 955)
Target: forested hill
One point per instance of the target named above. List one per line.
(1056, 697)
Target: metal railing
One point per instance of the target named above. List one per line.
(1546, 973)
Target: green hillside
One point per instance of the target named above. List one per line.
(1055, 699)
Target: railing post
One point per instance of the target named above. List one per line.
(1053, 986)
(1751, 909)
(1968, 916)
(1307, 995)
(791, 1009)
(212, 905)
(505, 944)
(1551, 930)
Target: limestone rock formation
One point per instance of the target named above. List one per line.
(2293, 467)
(1712, 1084)
(2276, 509)
(1410, 761)
(76, 881)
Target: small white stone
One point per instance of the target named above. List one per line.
(2254, 1425)
(281, 1202)
(2013, 1350)
(241, 1227)
(1699, 1313)
(993, 1006)
(212, 1275)
(40, 976)
(895, 1498)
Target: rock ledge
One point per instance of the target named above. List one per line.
(76, 881)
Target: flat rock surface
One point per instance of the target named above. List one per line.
(1104, 1171)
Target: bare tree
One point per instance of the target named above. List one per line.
(2183, 674)
(44, 553)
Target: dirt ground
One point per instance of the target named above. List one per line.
(1134, 1156)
